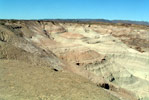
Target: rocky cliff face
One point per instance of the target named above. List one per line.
(114, 57)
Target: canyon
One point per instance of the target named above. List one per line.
(58, 60)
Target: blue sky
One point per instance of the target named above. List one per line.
(74, 9)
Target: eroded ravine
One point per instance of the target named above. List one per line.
(104, 54)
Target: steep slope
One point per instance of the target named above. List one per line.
(15, 44)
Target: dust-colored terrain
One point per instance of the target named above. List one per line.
(47, 60)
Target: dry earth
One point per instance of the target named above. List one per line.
(41, 60)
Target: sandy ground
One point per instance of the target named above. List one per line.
(22, 81)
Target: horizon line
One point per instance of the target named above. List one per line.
(73, 19)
